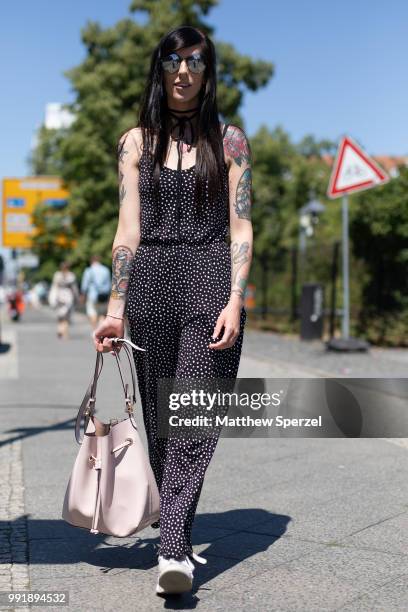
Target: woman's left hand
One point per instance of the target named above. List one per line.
(229, 319)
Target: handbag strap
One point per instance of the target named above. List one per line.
(131, 365)
(84, 409)
(87, 408)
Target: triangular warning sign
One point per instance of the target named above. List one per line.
(354, 170)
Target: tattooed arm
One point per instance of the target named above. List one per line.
(238, 154)
(127, 236)
(126, 240)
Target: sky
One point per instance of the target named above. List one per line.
(340, 67)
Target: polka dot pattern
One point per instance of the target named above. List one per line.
(179, 283)
(175, 217)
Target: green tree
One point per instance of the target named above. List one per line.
(283, 181)
(379, 235)
(53, 240)
(45, 157)
(310, 147)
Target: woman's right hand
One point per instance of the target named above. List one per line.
(107, 329)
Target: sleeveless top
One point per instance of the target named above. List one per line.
(174, 218)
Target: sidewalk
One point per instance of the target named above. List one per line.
(285, 524)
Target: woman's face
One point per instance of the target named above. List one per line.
(183, 86)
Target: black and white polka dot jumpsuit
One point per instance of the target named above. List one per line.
(179, 283)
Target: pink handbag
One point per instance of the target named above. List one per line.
(112, 488)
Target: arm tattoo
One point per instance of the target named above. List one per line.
(121, 154)
(236, 146)
(243, 195)
(122, 258)
(121, 149)
(240, 256)
(122, 190)
(122, 194)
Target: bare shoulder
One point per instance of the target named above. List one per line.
(136, 134)
(236, 146)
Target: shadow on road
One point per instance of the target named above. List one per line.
(240, 535)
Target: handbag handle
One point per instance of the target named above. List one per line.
(87, 407)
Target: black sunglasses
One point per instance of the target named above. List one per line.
(172, 63)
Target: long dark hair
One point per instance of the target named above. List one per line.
(153, 118)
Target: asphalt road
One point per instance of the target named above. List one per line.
(286, 524)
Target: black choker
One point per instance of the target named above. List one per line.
(189, 110)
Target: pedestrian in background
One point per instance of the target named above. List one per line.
(63, 295)
(96, 289)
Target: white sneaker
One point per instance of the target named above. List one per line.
(176, 576)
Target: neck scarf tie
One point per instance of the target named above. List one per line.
(181, 124)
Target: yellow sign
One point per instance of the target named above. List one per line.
(20, 197)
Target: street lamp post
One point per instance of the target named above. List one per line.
(308, 218)
(311, 294)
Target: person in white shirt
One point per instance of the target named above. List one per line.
(62, 297)
(96, 289)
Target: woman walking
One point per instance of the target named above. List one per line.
(184, 184)
(63, 295)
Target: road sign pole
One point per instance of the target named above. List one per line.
(346, 291)
(346, 342)
(353, 170)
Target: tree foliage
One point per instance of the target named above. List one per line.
(379, 235)
(284, 180)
